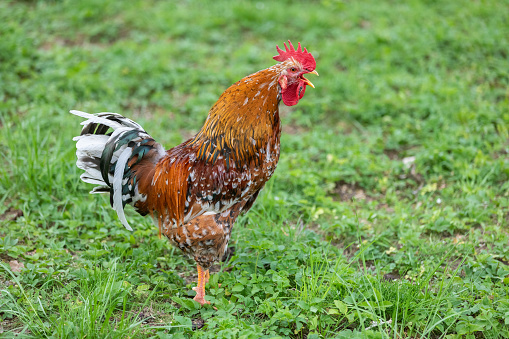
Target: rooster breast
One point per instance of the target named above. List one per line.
(218, 187)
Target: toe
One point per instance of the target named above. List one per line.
(201, 301)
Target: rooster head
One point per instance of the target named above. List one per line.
(291, 79)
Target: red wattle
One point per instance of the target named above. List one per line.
(293, 93)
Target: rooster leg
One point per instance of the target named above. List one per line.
(207, 277)
(200, 289)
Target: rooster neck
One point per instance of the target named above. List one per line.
(243, 122)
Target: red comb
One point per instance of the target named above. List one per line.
(304, 57)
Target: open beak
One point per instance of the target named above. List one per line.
(309, 82)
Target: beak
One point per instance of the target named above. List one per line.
(309, 82)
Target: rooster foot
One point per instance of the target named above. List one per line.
(201, 300)
(203, 278)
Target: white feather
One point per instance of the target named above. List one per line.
(97, 188)
(95, 119)
(137, 196)
(94, 152)
(91, 141)
(125, 121)
(91, 180)
(120, 130)
(92, 173)
(117, 186)
(98, 118)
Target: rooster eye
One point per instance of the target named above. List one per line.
(293, 69)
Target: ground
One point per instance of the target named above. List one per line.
(387, 217)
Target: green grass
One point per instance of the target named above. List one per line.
(388, 215)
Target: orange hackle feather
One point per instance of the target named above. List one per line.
(241, 120)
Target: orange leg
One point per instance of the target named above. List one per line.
(207, 277)
(203, 278)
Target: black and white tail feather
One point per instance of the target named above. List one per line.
(105, 156)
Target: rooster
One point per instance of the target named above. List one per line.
(195, 191)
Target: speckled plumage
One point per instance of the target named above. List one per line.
(196, 190)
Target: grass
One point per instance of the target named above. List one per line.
(388, 215)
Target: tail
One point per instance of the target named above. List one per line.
(116, 161)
